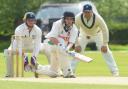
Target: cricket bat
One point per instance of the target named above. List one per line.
(75, 54)
(79, 56)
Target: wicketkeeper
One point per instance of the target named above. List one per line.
(26, 30)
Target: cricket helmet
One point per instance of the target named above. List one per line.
(29, 15)
(69, 14)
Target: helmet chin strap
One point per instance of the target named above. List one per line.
(67, 28)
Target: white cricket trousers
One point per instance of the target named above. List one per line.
(83, 40)
(58, 61)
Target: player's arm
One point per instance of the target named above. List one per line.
(105, 31)
(53, 34)
(53, 40)
(17, 42)
(70, 45)
(73, 37)
(77, 22)
(37, 43)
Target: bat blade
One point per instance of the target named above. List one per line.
(80, 56)
(75, 54)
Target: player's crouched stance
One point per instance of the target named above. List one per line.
(63, 34)
(94, 29)
(27, 30)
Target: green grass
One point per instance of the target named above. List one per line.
(96, 68)
(116, 47)
(35, 85)
(99, 68)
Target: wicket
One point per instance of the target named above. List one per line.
(19, 51)
(18, 62)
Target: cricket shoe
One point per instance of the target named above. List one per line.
(26, 64)
(69, 74)
(115, 73)
(34, 64)
(8, 76)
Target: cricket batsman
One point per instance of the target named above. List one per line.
(93, 28)
(63, 34)
(28, 29)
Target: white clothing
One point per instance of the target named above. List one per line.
(94, 25)
(58, 31)
(94, 31)
(58, 58)
(32, 39)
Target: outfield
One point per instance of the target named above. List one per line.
(86, 71)
(39, 85)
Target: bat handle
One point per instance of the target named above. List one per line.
(71, 53)
(61, 46)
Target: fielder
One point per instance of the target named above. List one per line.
(94, 29)
(27, 30)
(63, 34)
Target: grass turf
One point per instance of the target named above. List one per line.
(34, 85)
(97, 67)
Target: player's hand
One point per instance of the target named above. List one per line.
(78, 49)
(104, 49)
(65, 49)
(54, 40)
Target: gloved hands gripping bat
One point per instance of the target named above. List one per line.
(70, 53)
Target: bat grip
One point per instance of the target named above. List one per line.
(71, 53)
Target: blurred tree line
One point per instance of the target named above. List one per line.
(115, 13)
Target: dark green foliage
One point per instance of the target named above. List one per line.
(119, 36)
(12, 11)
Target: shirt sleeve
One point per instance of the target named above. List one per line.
(37, 43)
(18, 31)
(77, 22)
(104, 29)
(74, 34)
(16, 44)
(54, 31)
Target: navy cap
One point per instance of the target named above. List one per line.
(87, 7)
